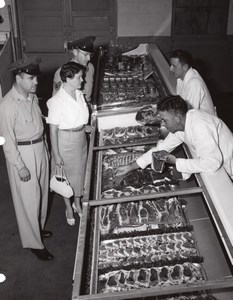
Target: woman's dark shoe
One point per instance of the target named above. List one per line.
(43, 254)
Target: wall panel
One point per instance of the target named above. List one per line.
(144, 18)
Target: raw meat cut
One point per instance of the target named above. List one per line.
(123, 280)
(148, 115)
(151, 249)
(141, 216)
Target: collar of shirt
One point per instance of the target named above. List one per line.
(86, 67)
(64, 94)
(191, 72)
(20, 97)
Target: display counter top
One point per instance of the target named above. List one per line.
(218, 184)
(164, 68)
(201, 208)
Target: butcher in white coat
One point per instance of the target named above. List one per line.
(208, 138)
(190, 85)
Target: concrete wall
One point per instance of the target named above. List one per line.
(151, 18)
(144, 18)
(150, 21)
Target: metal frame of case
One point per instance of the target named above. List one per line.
(201, 209)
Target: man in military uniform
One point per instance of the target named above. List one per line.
(82, 50)
(26, 155)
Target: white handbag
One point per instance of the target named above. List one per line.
(60, 184)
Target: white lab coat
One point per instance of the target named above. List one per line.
(195, 92)
(208, 138)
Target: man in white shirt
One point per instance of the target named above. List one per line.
(208, 138)
(190, 85)
(82, 51)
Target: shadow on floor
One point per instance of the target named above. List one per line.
(27, 278)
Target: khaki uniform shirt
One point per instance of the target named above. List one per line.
(20, 120)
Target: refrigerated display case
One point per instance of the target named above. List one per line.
(148, 235)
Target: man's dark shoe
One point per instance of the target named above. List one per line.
(43, 254)
(46, 234)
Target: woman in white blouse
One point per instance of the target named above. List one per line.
(68, 117)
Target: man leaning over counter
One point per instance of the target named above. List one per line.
(206, 135)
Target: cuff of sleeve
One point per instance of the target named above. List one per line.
(179, 163)
(51, 121)
(141, 163)
(20, 165)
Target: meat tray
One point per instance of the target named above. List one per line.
(130, 134)
(128, 81)
(136, 253)
(138, 182)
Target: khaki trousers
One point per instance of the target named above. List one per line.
(31, 198)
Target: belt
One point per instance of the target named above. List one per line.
(40, 139)
(73, 129)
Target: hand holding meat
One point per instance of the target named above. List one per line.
(165, 156)
(171, 159)
(161, 155)
(123, 170)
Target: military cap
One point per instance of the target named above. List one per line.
(28, 65)
(85, 44)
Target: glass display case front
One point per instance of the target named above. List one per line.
(146, 234)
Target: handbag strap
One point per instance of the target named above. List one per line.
(62, 172)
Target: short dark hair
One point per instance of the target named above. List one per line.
(185, 57)
(173, 104)
(69, 70)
